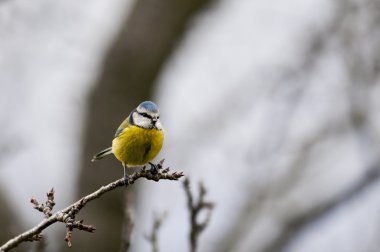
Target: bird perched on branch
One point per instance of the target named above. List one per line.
(138, 139)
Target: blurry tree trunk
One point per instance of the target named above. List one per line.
(130, 69)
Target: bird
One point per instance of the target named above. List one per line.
(138, 139)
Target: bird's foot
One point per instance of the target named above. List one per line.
(155, 168)
(126, 180)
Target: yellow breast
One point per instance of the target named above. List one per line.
(137, 146)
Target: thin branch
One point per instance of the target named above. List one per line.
(195, 209)
(153, 237)
(67, 215)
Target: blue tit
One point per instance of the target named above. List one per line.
(138, 139)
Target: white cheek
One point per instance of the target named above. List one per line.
(136, 118)
(146, 123)
(141, 121)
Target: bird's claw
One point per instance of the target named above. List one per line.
(126, 180)
(155, 168)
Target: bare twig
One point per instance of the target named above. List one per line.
(152, 237)
(67, 215)
(195, 209)
(71, 224)
(48, 206)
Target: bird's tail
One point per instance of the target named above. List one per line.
(102, 154)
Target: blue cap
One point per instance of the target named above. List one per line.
(149, 106)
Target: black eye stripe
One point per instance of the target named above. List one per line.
(146, 115)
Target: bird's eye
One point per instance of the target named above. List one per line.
(158, 117)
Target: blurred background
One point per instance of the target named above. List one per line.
(272, 104)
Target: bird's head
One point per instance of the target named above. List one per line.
(147, 116)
